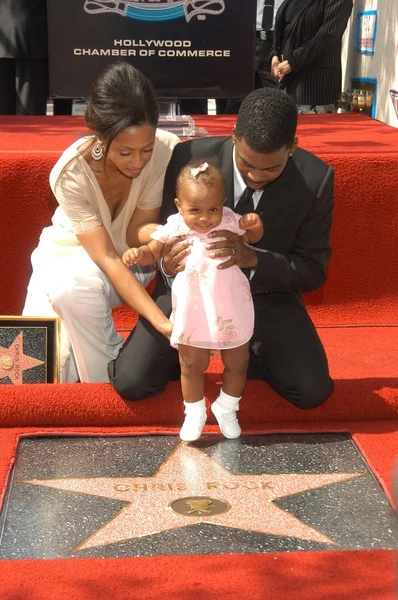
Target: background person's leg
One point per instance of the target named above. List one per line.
(32, 87)
(262, 65)
(8, 94)
(286, 351)
(146, 360)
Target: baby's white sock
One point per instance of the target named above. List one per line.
(195, 419)
(191, 407)
(225, 409)
(228, 402)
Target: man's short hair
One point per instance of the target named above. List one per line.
(267, 120)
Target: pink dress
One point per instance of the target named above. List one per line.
(212, 308)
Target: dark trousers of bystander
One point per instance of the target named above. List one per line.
(24, 86)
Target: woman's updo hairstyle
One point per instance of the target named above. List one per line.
(120, 97)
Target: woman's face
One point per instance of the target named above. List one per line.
(132, 149)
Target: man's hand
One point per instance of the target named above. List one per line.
(174, 254)
(132, 256)
(233, 248)
(284, 69)
(274, 66)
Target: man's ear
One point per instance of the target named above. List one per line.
(294, 146)
(234, 134)
(178, 205)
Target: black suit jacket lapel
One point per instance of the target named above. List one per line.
(278, 194)
(278, 29)
(227, 168)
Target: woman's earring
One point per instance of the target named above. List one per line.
(97, 152)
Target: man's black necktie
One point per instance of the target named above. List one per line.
(245, 202)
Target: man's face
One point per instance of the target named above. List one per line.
(258, 169)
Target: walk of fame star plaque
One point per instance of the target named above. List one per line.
(108, 497)
(29, 349)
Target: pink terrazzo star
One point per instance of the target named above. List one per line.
(188, 472)
(13, 361)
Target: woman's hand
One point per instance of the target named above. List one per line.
(233, 248)
(174, 254)
(165, 329)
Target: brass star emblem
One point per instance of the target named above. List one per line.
(13, 361)
(190, 477)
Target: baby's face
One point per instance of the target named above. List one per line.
(201, 205)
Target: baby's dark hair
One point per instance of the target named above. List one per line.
(202, 172)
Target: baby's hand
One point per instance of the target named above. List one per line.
(249, 221)
(132, 256)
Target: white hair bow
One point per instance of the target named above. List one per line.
(200, 169)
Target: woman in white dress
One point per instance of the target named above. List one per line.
(108, 186)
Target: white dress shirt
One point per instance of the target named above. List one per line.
(239, 188)
(276, 8)
(260, 12)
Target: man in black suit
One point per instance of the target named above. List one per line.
(292, 190)
(23, 57)
(307, 51)
(24, 60)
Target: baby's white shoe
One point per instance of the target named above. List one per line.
(227, 421)
(195, 419)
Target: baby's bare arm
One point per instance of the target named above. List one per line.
(144, 233)
(144, 255)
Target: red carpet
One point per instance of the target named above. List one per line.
(362, 289)
(365, 575)
(362, 286)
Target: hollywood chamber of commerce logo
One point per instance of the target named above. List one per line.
(156, 11)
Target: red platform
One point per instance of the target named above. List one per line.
(362, 285)
(362, 288)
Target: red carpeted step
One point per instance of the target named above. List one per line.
(362, 283)
(355, 575)
(362, 362)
